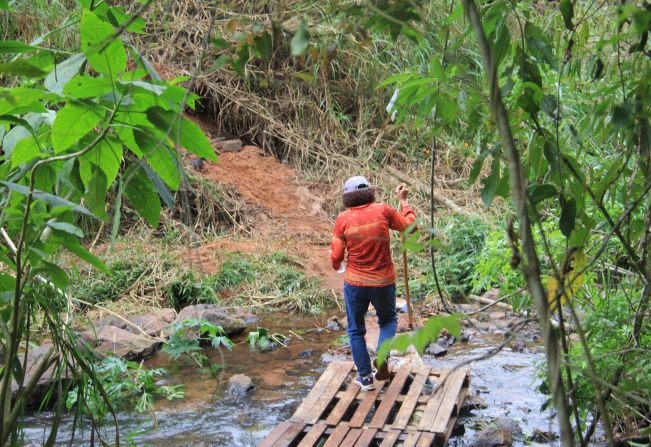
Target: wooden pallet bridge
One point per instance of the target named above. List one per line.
(417, 407)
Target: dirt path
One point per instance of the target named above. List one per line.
(287, 214)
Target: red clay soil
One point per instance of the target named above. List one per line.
(289, 216)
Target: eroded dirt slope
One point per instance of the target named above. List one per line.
(287, 214)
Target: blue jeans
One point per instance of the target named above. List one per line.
(357, 301)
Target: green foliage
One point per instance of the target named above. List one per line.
(463, 241)
(187, 337)
(261, 339)
(129, 386)
(77, 124)
(422, 337)
(236, 270)
(493, 268)
(187, 289)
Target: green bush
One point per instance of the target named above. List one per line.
(493, 267)
(129, 386)
(235, 271)
(187, 289)
(464, 240)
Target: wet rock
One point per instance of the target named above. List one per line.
(162, 382)
(508, 424)
(151, 323)
(518, 346)
(244, 314)
(239, 385)
(543, 436)
(305, 354)
(401, 305)
(275, 378)
(333, 324)
(436, 349)
(459, 429)
(214, 314)
(473, 402)
(492, 437)
(228, 145)
(123, 343)
(465, 337)
(35, 356)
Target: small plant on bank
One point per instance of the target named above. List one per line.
(128, 385)
(188, 336)
(262, 340)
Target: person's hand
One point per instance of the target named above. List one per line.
(402, 191)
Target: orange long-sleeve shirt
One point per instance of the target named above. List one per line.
(363, 231)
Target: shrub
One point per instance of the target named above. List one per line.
(464, 240)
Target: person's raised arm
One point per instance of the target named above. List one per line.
(338, 246)
(401, 220)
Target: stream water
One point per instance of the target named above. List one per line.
(284, 376)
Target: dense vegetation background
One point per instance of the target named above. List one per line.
(540, 109)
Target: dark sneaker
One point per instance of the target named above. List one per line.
(381, 373)
(365, 383)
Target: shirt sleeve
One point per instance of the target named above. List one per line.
(399, 221)
(338, 245)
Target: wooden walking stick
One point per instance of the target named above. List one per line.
(407, 297)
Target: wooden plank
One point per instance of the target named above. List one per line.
(366, 438)
(345, 400)
(455, 383)
(365, 406)
(337, 435)
(289, 435)
(389, 397)
(351, 437)
(426, 440)
(313, 435)
(323, 391)
(433, 405)
(275, 434)
(390, 438)
(412, 439)
(411, 400)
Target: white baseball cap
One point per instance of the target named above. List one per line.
(356, 183)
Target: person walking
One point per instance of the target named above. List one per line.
(362, 231)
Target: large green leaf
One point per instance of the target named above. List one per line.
(72, 123)
(66, 228)
(14, 46)
(538, 193)
(162, 158)
(105, 52)
(491, 183)
(48, 198)
(63, 73)
(26, 150)
(73, 246)
(301, 40)
(568, 217)
(95, 197)
(107, 156)
(182, 131)
(142, 195)
(82, 86)
(21, 67)
(567, 11)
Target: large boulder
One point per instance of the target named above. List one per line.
(123, 343)
(492, 437)
(239, 385)
(152, 323)
(35, 356)
(214, 314)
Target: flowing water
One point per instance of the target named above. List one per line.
(284, 376)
